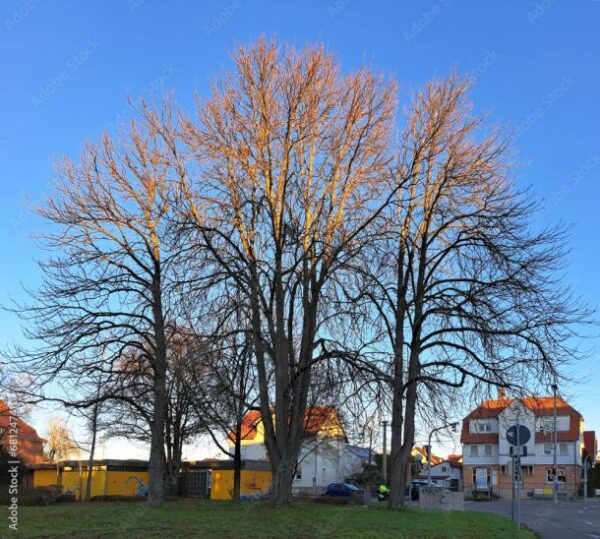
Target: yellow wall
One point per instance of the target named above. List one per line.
(71, 482)
(253, 482)
(43, 478)
(119, 483)
(122, 484)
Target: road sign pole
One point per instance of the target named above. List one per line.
(512, 476)
(554, 443)
(518, 476)
(585, 479)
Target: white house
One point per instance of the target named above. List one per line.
(486, 449)
(325, 456)
(447, 473)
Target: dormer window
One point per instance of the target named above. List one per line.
(484, 426)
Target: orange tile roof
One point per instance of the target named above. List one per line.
(540, 406)
(423, 451)
(455, 460)
(315, 419)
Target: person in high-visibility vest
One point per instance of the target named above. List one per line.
(383, 491)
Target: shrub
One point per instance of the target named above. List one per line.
(33, 496)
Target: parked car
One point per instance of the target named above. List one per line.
(341, 489)
(413, 489)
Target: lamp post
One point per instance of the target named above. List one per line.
(384, 456)
(453, 426)
(554, 443)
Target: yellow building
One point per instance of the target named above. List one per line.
(214, 479)
(109, 477)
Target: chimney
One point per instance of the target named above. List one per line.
(501, 393)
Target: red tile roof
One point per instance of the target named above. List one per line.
(455, 461)
(30, 446)
(590, 443)
(434, 458)
(540, 406)
(26, 432)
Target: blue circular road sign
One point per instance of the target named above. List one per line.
(518, 435)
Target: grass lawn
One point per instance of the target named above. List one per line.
(206, 519)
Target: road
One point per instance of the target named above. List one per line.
(572, 520)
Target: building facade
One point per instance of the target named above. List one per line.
(325, 456)
(487, 461)
(447, 473)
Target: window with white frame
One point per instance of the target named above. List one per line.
(488, 450)
(474, 450)
(299, 472)
(527, 469)
(547, 449)
(563, 449)
(560, 475)
(547, 424)
(483, 426)
(444, 469)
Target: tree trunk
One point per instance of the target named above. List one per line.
(88, 486)
(396, 480)
(283, 477)
(237, 462)
(157, 468)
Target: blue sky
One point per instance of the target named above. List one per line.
(67, 68)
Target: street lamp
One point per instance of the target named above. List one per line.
(385, 423)
(554, 444)
(453, 426)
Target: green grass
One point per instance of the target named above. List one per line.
(206, 519)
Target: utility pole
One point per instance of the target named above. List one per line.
(554, 442)
(384, 456)
(518, 478)
(316, 466)
(587, 463)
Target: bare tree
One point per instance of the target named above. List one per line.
(107, 280)
(465, 293)
(128, 418)
(60, 442)
(290, 152)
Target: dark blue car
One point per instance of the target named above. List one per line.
(341, 489)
